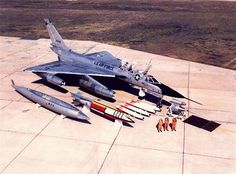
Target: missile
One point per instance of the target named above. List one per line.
(131, 113)
(81, 99)
(110, 112)
(51, 103)
(51, 78)
(145, 106)
(135, 109)
(151, 110)
(98, 89)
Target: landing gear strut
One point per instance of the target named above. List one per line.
(159, 103)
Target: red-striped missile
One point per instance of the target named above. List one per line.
(109, 112)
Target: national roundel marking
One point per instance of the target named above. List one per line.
(137, 77)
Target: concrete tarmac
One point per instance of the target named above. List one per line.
(35, 140)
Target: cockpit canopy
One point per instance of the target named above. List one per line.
(126, 66)
(152, 80)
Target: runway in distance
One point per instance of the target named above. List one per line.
(87, 66)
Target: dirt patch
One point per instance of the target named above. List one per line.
(203, 32)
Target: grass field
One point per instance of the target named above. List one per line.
(197, 31)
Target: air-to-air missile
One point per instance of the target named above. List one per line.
(129, 112)
(51, 103)
(102, 109)
(81, 100)
(144, 106)
(135, 109)
(110, 112)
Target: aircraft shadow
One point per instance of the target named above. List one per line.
(166, 90)
(115, 84)
(118, 84)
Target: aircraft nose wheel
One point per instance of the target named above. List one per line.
(141, 93)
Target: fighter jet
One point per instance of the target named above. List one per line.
(87, 66)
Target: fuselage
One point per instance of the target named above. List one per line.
(127, 75)
(77, 58)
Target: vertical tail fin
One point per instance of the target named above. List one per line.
(54, 35)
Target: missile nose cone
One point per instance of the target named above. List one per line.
(82, 116)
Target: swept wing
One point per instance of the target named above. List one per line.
(105, 56)
(60, 67)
